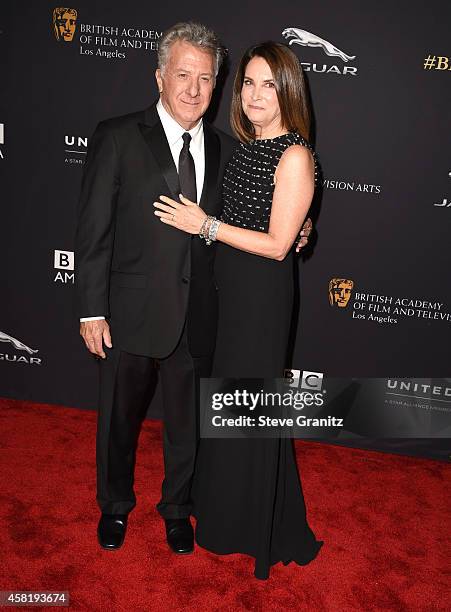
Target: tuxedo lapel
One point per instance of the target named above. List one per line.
(212, 148)
(153, 133)
(155, 137)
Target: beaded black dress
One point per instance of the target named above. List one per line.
(246, 492)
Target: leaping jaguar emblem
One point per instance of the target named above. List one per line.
(17, 343)
(307, 39)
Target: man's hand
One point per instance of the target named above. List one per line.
(93, 333)
(304, 234)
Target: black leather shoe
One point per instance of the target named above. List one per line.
(180, 535)
(111, 530)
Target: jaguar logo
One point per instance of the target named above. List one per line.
(307, 39)
(17, 344)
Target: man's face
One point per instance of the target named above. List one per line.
(66, 26)
(186, 83)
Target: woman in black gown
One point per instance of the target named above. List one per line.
(246, 492)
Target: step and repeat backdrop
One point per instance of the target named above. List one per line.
(374, 283)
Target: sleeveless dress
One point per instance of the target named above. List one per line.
(246, 493)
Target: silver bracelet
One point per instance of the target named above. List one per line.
(202, 232)
(213, 230)
(205, 230)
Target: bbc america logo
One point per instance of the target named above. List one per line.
(312, 381)
(64, 262)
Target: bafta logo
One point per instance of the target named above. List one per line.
(64, 23)
(340, 290)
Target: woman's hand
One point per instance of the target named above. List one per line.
(187, 216)
(304, 234)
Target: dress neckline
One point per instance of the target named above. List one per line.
(271, 139)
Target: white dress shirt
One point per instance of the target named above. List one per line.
(174, 133)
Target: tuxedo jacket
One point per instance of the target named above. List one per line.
(144, 276)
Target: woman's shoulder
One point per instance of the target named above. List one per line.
(297, 154)
(293, 138)
(293, 145)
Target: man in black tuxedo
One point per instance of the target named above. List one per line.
(146, 292)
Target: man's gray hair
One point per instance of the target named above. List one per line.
(195, 34)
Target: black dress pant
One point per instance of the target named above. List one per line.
(127, 384)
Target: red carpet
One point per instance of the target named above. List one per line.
(384, 519)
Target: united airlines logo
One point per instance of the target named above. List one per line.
(76, 147)
(297, 36)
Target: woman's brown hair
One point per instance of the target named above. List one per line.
(290, 88)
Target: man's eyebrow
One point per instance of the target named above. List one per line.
(188, 71)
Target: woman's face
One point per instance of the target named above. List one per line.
(259, 97)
